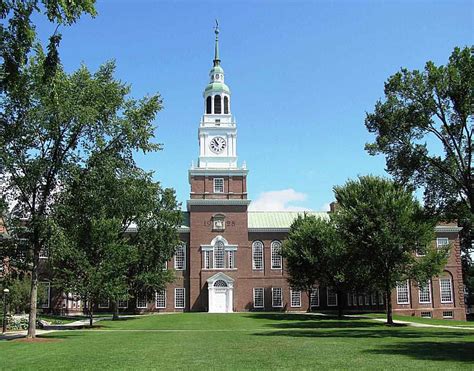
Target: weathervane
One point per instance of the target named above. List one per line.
(216, 28)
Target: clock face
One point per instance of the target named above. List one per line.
(217, 144)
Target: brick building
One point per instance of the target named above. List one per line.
(230, 259)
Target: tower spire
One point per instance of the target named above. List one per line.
(217, 61)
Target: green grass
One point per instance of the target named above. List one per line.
(429, 321)
(244, 341)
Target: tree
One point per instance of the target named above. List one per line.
(384, 227)
(100, 258)
(424, 129)
(316, 255)
(65, 120)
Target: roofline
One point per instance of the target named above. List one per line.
(206, 202)
(448, 228)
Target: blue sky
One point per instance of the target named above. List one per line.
(302, 76)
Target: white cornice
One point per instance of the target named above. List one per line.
(210, 171)
(263, 229)
(448, 228)
(212, 202)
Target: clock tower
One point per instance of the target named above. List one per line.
(217, 174)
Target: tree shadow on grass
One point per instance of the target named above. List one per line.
(369, 333)
(461, 351)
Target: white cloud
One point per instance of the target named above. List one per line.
(279, 201)
(325, 207)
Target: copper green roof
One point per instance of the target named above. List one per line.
(218, 87)
(277, 220)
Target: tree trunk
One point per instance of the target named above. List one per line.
(339, 304)
(389, 306)
(33, 293)
(91, 313)
(115, 309)
(309, 300)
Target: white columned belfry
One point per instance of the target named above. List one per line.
(217, 130)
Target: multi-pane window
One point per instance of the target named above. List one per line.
(257, 255)
(349, 299)
(104, 303)
(354, 299)
(424, 292)
(160, 299)
(207, 259)
(258, 297)
(141, 300)
(403, 294)
(277, 297)
(314, 297)
(218, 185)
(219, 254)
(122, 304)
(361, 300)
(448, 314)
(276, 255)
(179, 298)
(43, 254)
(381, 298)
(442, 242)
(373, 297)
(180, 257)
(446, 290)
(332, 297)
(231, 259)
(46, 293)
(367, 299)
(295, 298)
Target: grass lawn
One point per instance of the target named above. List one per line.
(428, 321)
(244, 341)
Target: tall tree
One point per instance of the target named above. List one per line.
(424, 129)
(100, 257)
(384, 227)
(314, 255)
(65, 120)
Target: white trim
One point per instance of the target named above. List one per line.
(221, 172)
(175, 297)
(122, 306)
(429, 293)
(447, 228)
(263, 297)
(254, 266)
(214, 180)
(218, 202)
(138, 298)
(298, 292)
(311, 295)
(272, 252)
(273, 297)
(441, 290)
(48, 294)
(100, 306)
(327, 297)
(162, 292)
(399, 287)
(182, 246)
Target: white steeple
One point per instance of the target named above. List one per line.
(217, 130)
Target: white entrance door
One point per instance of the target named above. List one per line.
(220, 300)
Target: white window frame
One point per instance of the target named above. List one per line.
(176, 290)
(354, 299)
(231, 259)
(101, 306)
(120, 304)
(206, 259)
(275, 291)
(333, 293)
(366, 299)
(218, 188)
(442, 242)
(450, 290)
(295, 294)
(139, 300)
(381, 298)
(161, 294)
(373, 298)
(214, 251)
(260, 289)
(402, 290)
(259, 244)
(276, 255)
(181, 249)
(420, 292)
(314, 297)
(44, 253)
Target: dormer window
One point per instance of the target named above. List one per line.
(218, 185)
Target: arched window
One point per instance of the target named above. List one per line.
(226, 105)
(276, 255)
(209, 105)
(257, 255)
(217, 104)
(446, 288)
(220, 283)
(219, 255)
